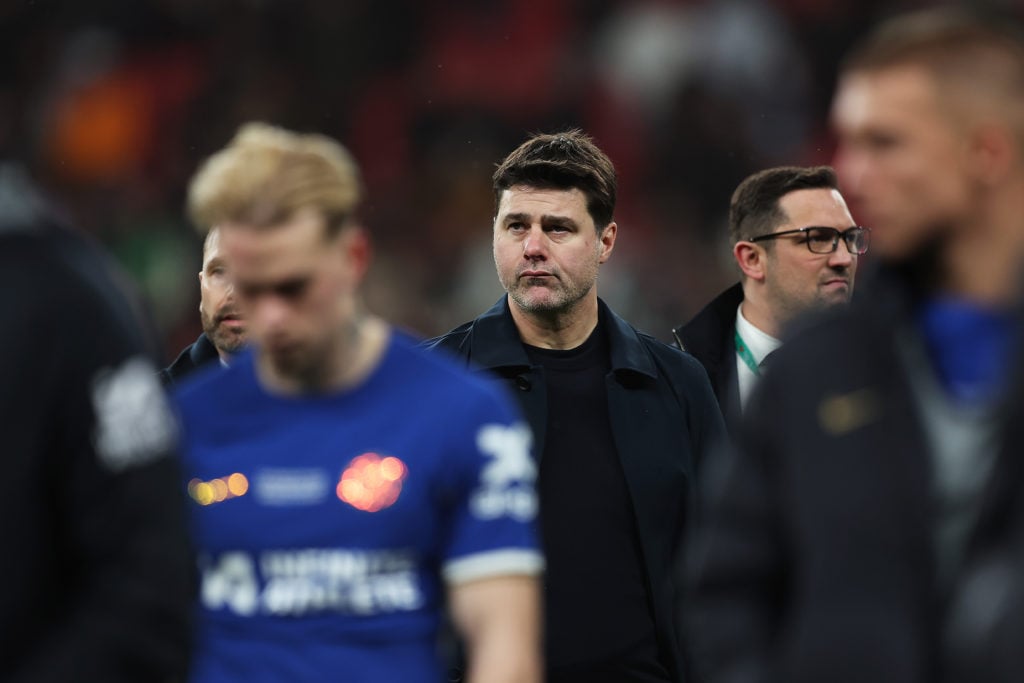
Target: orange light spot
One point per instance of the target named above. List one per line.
(392, 469)
(220, 489)
(371, 483)
(238, 485)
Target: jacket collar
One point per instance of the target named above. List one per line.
(496, 342)
(203, 351)
(704, 334)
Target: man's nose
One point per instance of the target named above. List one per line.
(270, 313)
(842, 257)
(534, 244)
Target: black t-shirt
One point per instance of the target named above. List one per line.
(599, 625)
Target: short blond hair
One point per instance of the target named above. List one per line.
(266, 174)
(974, 55)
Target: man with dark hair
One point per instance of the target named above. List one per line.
(621, 421)
(346, 486)
(96, 581)
(871, 528)
(223, 325)
(796, 246)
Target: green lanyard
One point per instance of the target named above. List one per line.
(745, 354)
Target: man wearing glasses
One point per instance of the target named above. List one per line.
(796, 245)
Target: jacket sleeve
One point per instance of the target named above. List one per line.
(735, 563)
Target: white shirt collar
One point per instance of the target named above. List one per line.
(760, 343)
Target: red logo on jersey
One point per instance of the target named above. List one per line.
(372, 482)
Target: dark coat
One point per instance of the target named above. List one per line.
(664, 419)
(708, 337)
(95, 583)
(191, 358)
(817, 558)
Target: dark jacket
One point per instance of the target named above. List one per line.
(708, 337)
(95, 583)
(664, 419)
(817, 559)
(191, 358)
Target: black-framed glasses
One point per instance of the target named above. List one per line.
(824, 240)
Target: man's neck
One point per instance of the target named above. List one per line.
(983, 263)
(354, 355)
(758, 315)
(556, 330)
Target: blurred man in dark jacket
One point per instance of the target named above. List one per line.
(879, 468)
(863, 534)
(96, 576)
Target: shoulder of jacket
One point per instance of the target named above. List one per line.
(452, 339)
(671, 359)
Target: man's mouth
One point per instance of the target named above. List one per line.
(231, 319)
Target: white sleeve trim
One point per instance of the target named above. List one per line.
(493, 563)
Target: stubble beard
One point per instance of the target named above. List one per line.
(224, 341)
(560, 299)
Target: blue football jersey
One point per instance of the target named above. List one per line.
(327, 526)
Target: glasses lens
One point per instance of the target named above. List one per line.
(856, 240)
(822, 240)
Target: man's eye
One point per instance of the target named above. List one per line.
(291, 290)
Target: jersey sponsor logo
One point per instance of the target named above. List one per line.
(372, 482)
(506, 483)
(286, 486)
(133, 421)
(308, 581)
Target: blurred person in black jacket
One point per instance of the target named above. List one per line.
(870, 528)
(97, 572)
(621, 421)
(796, 246)
(223, 325)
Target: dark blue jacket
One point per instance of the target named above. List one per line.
(191, 358)
(664, 419)
(817, 560)
(709, 337)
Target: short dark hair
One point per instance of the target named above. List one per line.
(967, 46)
(754, 209)
(562, 161)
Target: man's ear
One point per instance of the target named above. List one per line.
(356, 249)
(751, 259)
(608, 236)
(992, 152)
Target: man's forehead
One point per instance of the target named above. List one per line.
(864, 96)
(816, 206)
(211, 245)
(518, 197)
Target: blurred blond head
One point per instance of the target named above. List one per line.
(267, 174)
